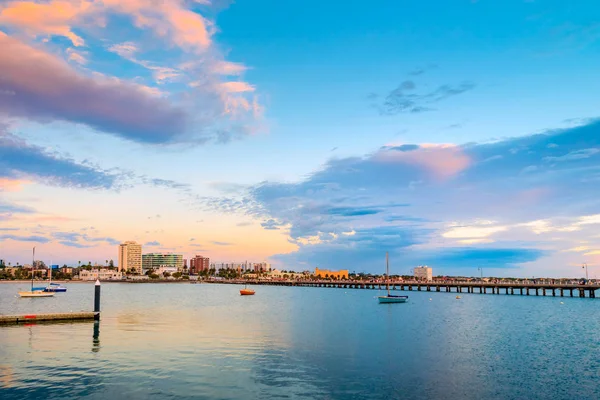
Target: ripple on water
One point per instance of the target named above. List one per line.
(205, 341)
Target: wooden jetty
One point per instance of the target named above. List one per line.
(57, 317)
(32, 318)
(519, 288)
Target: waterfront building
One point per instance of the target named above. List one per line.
(160, 271)
(423, 273)
(157, 260)
(241, 266)
(198, 264)
(67, 270)
(260, 267)
(277, 274)
(130, 257)
(101, 274)
(322, 273)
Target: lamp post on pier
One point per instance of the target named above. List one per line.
(481, 272)
(586, 270)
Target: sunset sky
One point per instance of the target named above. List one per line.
(453, 133)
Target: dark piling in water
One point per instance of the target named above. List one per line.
(97, 301)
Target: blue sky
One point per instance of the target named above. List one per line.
(450, 133)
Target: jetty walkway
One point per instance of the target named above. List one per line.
(517, 288)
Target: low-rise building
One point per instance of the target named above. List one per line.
(277, 274)
(67, 270)
(423, 273)
(324, 273)
(101, 274)
(161, 270)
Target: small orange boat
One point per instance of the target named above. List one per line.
(246, 292)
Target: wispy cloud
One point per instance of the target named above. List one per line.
(81, 240)
(216, 243)
(18, 159)
(6, 207)
(405, 99)
(33, 238)
(75, 244)
(270, 224)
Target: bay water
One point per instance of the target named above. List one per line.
(205, 341)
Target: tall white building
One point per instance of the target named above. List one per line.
(130, 257)
(424, 273)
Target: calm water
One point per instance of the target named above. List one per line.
(168, 341)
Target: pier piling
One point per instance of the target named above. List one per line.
(97, 300)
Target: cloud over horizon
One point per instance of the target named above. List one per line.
(346, 213)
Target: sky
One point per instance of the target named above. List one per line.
(460, 134)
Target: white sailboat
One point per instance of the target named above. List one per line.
(390, 298)
(35, 293)
(53, 287)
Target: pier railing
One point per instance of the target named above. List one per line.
(508, 288)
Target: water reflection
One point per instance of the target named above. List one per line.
(205, 341)
(6, 376)
(96, 337)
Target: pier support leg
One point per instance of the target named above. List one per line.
(512, 291)
(527, 291)
(410, 287)
(428, 288)
(536, 292)
(562, 292)
(571, 290)
(543, 291)
(553, 292)
(592, 294)
(581, 292)
(437, 288)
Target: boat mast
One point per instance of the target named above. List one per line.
(387, 273)
(32, 268)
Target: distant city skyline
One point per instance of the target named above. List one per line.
(305, 134)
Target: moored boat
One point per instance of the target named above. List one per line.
(37, 293)
(390, 298)
(55, 287)
(246, 292)
(33, 292)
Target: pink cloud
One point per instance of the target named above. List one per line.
(441, 160)
(237, 87)
(11, 185)
(183, 27)
(229, 68)
(53, 18)
(43, 87)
